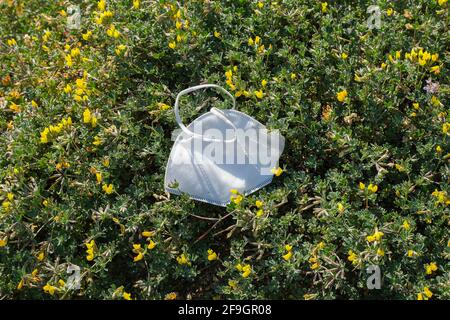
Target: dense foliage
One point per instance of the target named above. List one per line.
(85, 134)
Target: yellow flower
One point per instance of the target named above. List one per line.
(390, 11)
(61, 283)
(97, 141)
(41, 256)
(236, 199)
(438, 149)
(341, 95)
(101, 5)
(172, 45)
(250, 41)
(119, 49)
(435, 69)
(373, 188)
(12, 42)
(3, 242)
(260, 213)
(86, 36)
(427, 292)
(232, 284)
(75, 52)
(148, 234)
(315, 266)
(419, 296)
(126, 295)
(380, 252)
(20, 285)
(170, 296)
(151, 245)
(259, 94)
(217, 34)
(139, 257)
(352, 256)
(362, 186)
(293, 76)
(136, 4)
(246, 270)
(260, 4)
(69, 61)
(87, 116)
(375, 237)
(257, 40)
(108, 188)
(49, 289)
(183, 260)
(287, 256)
(113, 32)
(234, 191)
(288, 247)
(406, 225)
(340, 207)
(212, 255)
(98, 176)
(67, 88)
(410, 253)
(277, 171)
(34, 104)
(264, 82)
(344, 55)
(431, 267)
(324, 7)
(259, 204)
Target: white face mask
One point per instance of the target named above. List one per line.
(219, 151)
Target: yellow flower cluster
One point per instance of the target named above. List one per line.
(91, 248)
(288, 254)
(245, 269)
(113, 32)
(183, 260)
(314, 259)
(108, 188)
(180, 24)
(342, 95)
(52, 131)
(212, 255)
(236, 197)
(139, 252)
(425, 294)
(11, 42)
(371, 187)
(89, 118)
(352, 257)
(259, 205)
(81, 92)
(6, 204)
(257, 44)
(170, 296)
(441, 197)
(431, 267)
(102, 15)
(377, 236)
(422, 57)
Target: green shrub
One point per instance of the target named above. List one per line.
(86, 131)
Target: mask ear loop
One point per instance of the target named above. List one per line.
(217, 113)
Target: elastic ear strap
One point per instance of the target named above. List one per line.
(191, 89)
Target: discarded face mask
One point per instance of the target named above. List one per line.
(221, 150)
